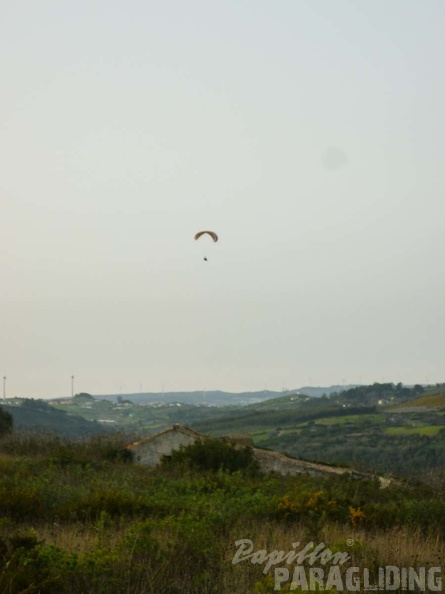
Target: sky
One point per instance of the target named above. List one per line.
(309, 134)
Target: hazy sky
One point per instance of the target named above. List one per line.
(309, 134)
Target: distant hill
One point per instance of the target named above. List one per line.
(362, 427)
(219, 397)
(318, 391)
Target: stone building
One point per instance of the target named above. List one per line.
(149, 451)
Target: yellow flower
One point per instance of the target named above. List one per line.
(356, 515)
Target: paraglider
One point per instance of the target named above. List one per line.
(212, 234)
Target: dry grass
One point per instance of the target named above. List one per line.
(80, 537)
(395, 546)
(368, 549)
(433, 401)
(399, 547)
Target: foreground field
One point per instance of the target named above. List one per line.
(82, 518)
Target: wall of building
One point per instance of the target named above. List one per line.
(150, 452)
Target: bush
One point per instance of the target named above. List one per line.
(214, 455)
(6, 421)
(24, 569)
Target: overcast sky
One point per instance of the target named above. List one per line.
(309, 134)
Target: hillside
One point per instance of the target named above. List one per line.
(433, 401)
(38, 414)
(370, 428)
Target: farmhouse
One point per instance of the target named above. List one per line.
(150, 450)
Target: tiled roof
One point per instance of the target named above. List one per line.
(173, 428)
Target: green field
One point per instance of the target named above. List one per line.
(426, 430)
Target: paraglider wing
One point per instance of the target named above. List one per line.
(212, 234)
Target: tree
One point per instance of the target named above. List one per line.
(83, 396)
(6, 421)
(36, 404)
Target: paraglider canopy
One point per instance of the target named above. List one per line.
(212, 234)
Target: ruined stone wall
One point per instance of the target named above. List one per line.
(149, 453)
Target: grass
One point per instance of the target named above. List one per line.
(429, 430)
(259, 436)
(370, 419)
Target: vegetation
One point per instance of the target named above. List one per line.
(382, 448)
(383, 428)
(80, 517)
(39, 414)
(6, 421)
(214, 455)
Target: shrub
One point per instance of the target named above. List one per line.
(6, 421)
(316, 505)
(24, 569)
(214, 455)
